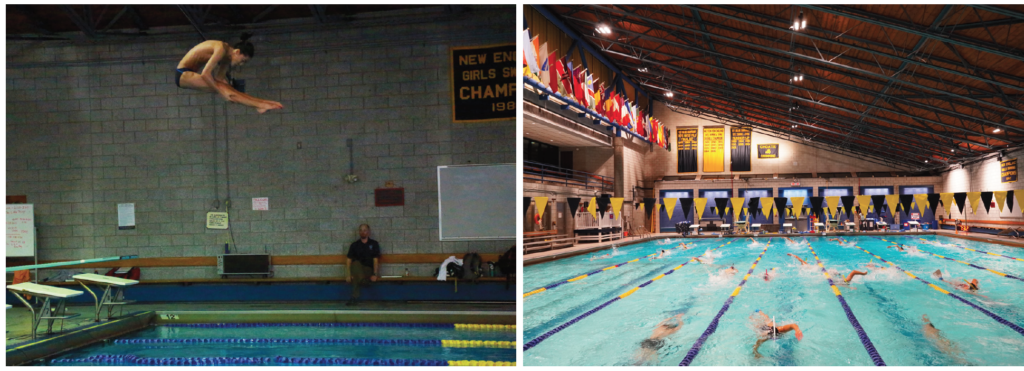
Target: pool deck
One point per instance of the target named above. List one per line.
(580, 249)
(19, 319)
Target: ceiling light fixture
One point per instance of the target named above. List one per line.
(996, 131)
(601, 28)
(642, 69)
(668, 94)
(800, 22)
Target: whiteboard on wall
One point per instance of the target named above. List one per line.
(21, 231)
(476, 202)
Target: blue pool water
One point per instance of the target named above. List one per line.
(888, 304)
(401, 343)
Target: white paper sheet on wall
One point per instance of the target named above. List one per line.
(126, 216)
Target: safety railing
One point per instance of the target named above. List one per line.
(548, 174)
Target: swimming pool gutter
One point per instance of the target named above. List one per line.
(331, 316)
(28, 352)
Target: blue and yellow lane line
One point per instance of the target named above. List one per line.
(993, 271)
(539, 339)
(982, 252)
(870, 347)
(994, 316)
(577, 278)
(714, 323)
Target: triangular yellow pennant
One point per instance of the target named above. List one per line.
(948, 203)
(1019, 195)
(746, 211)
(737, 205)
(1000, 199)
(865, 203)
(592, 207)
(766, 205)
(700, 203)
(670, 206)
(922, 201)
(798, 206)
(833, 203)
(617, 206)
(542, 203)
(892, 201)
(975, 200)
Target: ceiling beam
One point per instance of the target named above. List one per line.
(79, 21)
(903, 26)
(1000, 11)
(195, 17)
(995, 23)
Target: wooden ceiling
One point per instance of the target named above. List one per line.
(916, 86)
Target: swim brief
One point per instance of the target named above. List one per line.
(177, 75)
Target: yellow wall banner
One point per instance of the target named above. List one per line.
(737, 205)
(700, 203)
(1020, 201)
(766, 205)
(948, 204)
(975, 199)
(922, 202)
(892, 201)
(617, 206)
(714, 150)
(1008, 170)
(798, 205)
(542, 203)
(592, 207)
(768, 150)
(864, 202)
(1000, 198)
(833, 203)
(670, 206)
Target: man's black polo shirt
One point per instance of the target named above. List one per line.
(364, 252)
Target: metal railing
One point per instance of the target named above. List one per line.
(548, 174)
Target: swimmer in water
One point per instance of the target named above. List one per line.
(970, 287)
(661, 254)
(649, 347)
(898, 246)
(731, 271)
(836, 240)
(595, 257)
(769, 276)
(802, 262)
(849, 278)
(767, 330)
(940, 342)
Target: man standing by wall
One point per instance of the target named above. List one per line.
(363, 262)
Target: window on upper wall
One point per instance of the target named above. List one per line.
(914, 190)
(875, 191)
(790, 193)
(536, 151)
(829, 192)
(677, 194)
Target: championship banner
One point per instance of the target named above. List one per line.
(617, 206)
(1008, 170)
(739, 145)
(686, 148)
(768, 150)
(483, 83)
(714, 150)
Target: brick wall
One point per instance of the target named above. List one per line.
(91, 124)
(984, 176)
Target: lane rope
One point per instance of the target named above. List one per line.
(124, 360)
(402, 342)
(457, 326)
(993, 271)
(980, 251)
(714, 322)
(539, 339)
(585, 275)
(994, 316)
(872, 352)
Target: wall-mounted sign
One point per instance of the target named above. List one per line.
(216, 220)
(739, 144)
(126, 216)
(389, 197)
(1008, 170)
(714, 150)
(261, 203)
(768, 150)
(483, 83)
(686, 149)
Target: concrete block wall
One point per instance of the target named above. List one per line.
(91, 124)
(984, 176)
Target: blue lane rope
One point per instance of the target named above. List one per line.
(585, 275)
(324, 324)
(534, 342)
(872, 352)
(714, 322)
(983, 252)
(415, 342)
(964, 263)
(245, 361)
(994, 316)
